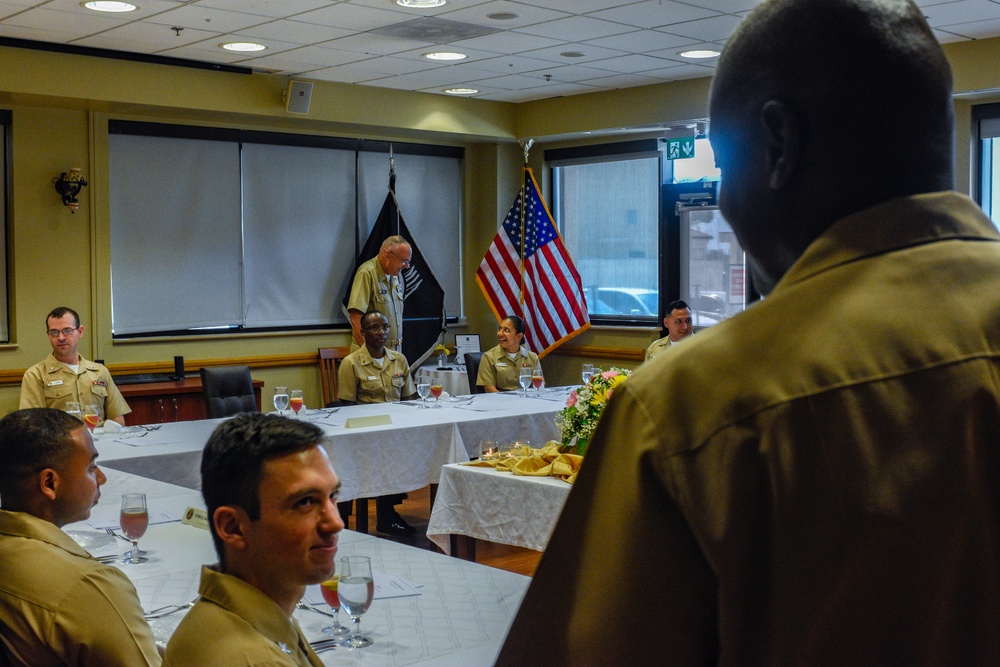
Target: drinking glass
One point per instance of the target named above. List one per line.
(537, 379)
(524, 378)
(487, 450)
(134, 520)
(296, 400)
(281, 399)
(329, 590)
(73, 408)
(91, 416)
(436, 389)
(423, 390)
(355, 589)
(587, 372)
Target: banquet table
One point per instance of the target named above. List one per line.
(453, 379)
(484, 504)
(451, 612)
(371, 461)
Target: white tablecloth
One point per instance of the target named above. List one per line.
(372, 461)
(454, 379)
(460, 617)
(495, 506)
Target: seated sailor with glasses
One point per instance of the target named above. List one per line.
(376, 374)
(66, 377)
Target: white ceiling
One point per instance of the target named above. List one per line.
(624, 43)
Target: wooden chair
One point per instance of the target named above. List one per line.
(329, 358)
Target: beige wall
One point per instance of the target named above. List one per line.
(61, 105)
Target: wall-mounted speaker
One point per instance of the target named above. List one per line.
(297, 96)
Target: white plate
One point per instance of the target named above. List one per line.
(92, 540)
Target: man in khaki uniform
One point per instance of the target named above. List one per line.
(677, 322)
(273, 538)
(58, 605)
(65, 376)
(814, 481)
(378, 285)
(376, 374)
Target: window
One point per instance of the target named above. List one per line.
(986, 126)
(258, 231)
(642, 236)
(607, 207)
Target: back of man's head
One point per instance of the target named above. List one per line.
(32, 440)
(867, 76)
(233, 461)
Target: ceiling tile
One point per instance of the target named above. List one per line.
(654, 13)
(580, 27)
(296, 32)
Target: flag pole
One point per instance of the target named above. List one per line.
(526, 145)
(392, 184)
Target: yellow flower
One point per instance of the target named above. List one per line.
(441, 348)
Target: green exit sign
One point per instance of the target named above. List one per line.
(680, 148)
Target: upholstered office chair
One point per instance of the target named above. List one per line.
(329, 357)
(472, 360)
(228, 391)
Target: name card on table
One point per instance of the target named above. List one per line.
(371, 420)
(196, 517)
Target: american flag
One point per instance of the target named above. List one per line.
(553, 307)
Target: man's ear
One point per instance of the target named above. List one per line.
(783, 135)
(49, 483)
(230, 525)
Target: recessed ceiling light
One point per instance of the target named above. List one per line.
(420, 4)
(445, 55)
(243, 46)
(699, 53)
(109, 6)
(502, 16)
(461, 91)
(572, 54)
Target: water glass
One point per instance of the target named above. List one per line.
(73, 408)
(356, 589)
(281, 399)
(587, 372)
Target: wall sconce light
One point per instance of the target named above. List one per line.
(69, 185)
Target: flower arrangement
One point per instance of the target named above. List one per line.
(585, 405)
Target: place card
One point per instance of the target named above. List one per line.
(370, 420)
(195, 516)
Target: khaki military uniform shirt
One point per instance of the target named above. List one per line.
(52, 384)
(496, 368)
(236, 625)
(373, 290)
(59, 606)
(814, 481)
(657, 346)
(361, 380)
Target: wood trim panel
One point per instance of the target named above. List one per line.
(595, 352)
(13, 375)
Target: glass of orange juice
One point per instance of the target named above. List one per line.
(91, 416)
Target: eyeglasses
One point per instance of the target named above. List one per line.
(54, 333)
(377, 327)
(405, 261)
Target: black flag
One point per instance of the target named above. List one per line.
(423, 297)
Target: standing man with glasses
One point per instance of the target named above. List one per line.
(378, 285)
(65, 376)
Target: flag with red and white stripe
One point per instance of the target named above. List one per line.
(545, 290)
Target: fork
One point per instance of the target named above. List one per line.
(321, 645)
(112, 533)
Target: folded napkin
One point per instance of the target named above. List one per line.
(549, 461)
